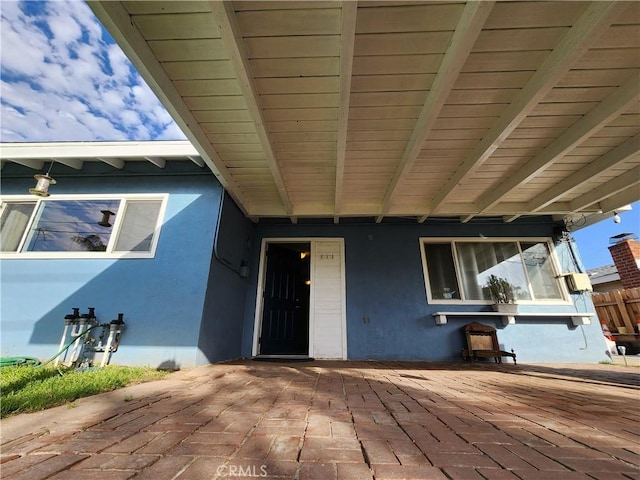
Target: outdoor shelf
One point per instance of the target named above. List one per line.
(577, 318)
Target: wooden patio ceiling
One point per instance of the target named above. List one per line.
(395, 108)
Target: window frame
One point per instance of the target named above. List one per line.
(564, 292)
(109, 253)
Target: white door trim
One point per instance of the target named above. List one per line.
(260, 287)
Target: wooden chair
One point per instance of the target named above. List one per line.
(482, 342)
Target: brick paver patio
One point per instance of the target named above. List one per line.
(342, 420)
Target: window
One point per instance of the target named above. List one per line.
(70, 226)
(13, 222)
(458, 270)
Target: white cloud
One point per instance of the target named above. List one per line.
(62, 80)
(112, 101)
(130, 117)
(22, 46)
(65, 29)
(161, 115)
(62, 119)
(119, 62)
(171, 132)
(144, 97)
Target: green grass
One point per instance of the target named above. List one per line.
(29, 389)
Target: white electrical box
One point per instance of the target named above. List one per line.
(578, 282)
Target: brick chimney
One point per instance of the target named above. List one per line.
(626, 256)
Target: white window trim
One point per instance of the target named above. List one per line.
(109, 254)
(566, 297)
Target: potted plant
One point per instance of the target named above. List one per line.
(502, 293)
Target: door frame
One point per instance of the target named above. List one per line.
(257, 327)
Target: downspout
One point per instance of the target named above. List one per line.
(220, 260)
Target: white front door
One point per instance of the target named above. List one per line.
(327, 302)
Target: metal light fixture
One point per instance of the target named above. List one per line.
(43, 181)
(616, 217)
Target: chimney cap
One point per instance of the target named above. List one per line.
(621, 237)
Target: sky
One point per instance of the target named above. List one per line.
(593, 241)
(63, 78)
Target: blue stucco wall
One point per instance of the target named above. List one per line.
(162, 298)
(222, 320)
(385, 282)
(190, 304)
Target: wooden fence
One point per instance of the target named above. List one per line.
(619, 310)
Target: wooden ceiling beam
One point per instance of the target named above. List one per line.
(467, 31)
(27, 162)
(157, 161)
(225, 17)
(74, 163)
(625, 197)
(501, 210)
(598, 117)
(592, 23)
(347, 43)
(114, 162)
(621, 153)
(120, 25)
(510, 219)
(609, 189)
(197, 160)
